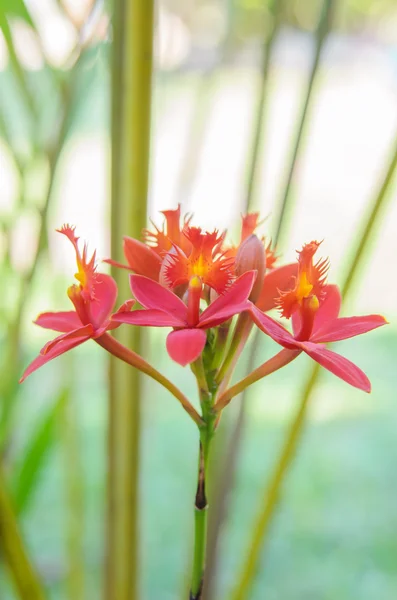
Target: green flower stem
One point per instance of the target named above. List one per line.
(201, 505)
(23, 573)
(283, 358)
(240, 335)
(128, 356)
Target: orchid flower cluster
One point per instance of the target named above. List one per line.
(210, 294)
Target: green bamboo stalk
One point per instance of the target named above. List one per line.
(131, 108)
(273, 490)
(285, 205)
(25, 578)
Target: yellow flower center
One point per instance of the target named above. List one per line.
(304, 288)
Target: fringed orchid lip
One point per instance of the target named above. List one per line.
(215, 269)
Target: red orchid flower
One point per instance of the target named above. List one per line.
(205, 261)
(93, 298)
(145, 258)
(162, 308)
(314, 308)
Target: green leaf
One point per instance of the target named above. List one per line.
(16, 8)
(35, 453)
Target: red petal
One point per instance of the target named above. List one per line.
(115, 263)
(105, 294)
(124, 308)
(276, 281)
(338, 365)
(150, 317)
(59, 349)
(272, 328)
(85, 331)
(59, 321)
(230, 300)
(151, 294)
(347, 327)
(141, 258)
(224, 315)
(329, 309)
(185, 345)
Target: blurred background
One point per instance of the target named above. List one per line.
(334, 535)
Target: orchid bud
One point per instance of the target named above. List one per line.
(251, 256)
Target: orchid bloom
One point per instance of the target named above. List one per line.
(314, 308)
(162, 308)
(93, 298)
(204, 260)
(145, 258)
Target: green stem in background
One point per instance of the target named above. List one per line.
(203, 102)
(131, 116)
(272, 491)
(17, 69)
(27, 583)
(283, 358)
(70, 439)
(256, 147)
(14, 332)
(284, 208)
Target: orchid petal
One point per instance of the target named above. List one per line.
(115, 263)
(224, 315)
(124, 308)
(151, 294)
(102, 304)
(185, 345)
(338, 365)
(276, 281)
(142, 259)
(234, 296)
(85, 331)
(329, 309)
(269, 326)
(59, 349)
(151, 317)
(59, 321)
(347, 327)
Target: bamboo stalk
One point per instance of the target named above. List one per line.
(25, 578)
(273, 490)
(131, 108)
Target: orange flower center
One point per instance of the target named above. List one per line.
(204, 261)
(308, 285)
